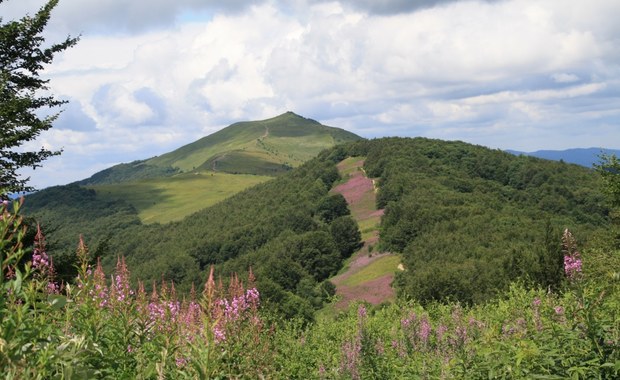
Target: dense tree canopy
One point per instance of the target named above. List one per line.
(467, 220)
(22, 93)
(609, 169)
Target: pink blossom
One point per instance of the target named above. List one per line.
(425, 330)
(572, 266)
(361, 311)
(181, 362)
(441, 330)
(219, 334)
(572, 259)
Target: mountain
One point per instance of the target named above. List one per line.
(176, 184)
(580, 156)
(466, 221)
(267, 147)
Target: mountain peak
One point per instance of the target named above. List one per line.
(264, 147)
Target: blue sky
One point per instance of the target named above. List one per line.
(150, 76)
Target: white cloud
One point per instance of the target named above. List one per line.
(492, 72)
(564, 77)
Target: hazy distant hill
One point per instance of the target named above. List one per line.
(580, 156)
(265, 147)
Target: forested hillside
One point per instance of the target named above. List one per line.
(468, 221)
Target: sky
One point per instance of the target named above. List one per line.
(149, 76)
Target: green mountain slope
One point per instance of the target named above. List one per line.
(267, 147)
(171, 186)
(256, 147)
(466, 220)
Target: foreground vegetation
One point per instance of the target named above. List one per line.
(93, 328)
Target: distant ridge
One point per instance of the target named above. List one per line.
(581, 156)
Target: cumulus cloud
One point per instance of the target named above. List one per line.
(515, 74)
(121, 16)
(73, 117)
(564, 77)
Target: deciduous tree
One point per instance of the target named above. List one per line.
(23, 94)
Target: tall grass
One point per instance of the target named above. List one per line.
(102, 327)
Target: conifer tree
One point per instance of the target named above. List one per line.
(24, 100)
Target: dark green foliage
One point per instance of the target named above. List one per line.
(609, 169)
(467, 220)
(331, 207)
(128, 172)
(66, 212)
(22, 57)
(470, 220)
(346, 235)
(270, 228)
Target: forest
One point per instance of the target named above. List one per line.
(467, 220)
(508, 266)
(511, 271)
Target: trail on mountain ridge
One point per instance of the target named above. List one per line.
(369, 274)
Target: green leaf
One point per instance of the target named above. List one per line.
(57, 301)
(17, 283)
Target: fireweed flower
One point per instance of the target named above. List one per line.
(361, 311)
(572, 266)
(441, 330)
(43, 264)
(424, 331)
(121, 290)
(572, 259)
(99, 292)
(40, 259)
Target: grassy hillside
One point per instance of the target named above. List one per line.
(198, 175)
(256, 147)
(163, 200)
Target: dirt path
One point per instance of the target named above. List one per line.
(371, 286)
(266, 134)
(214, 164)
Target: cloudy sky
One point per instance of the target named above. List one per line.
(149, 76)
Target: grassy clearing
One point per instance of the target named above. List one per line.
(384, 266)
(169, 199)
(349, 166)
(286, 139)
(369, 226)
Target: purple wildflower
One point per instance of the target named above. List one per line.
(441, 330)
(572, 259)
(361, 311)
(424, 331)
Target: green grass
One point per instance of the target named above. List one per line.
(164, 200)
(349, 165)
(369, 226)
(379, 268)
(286, 139)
